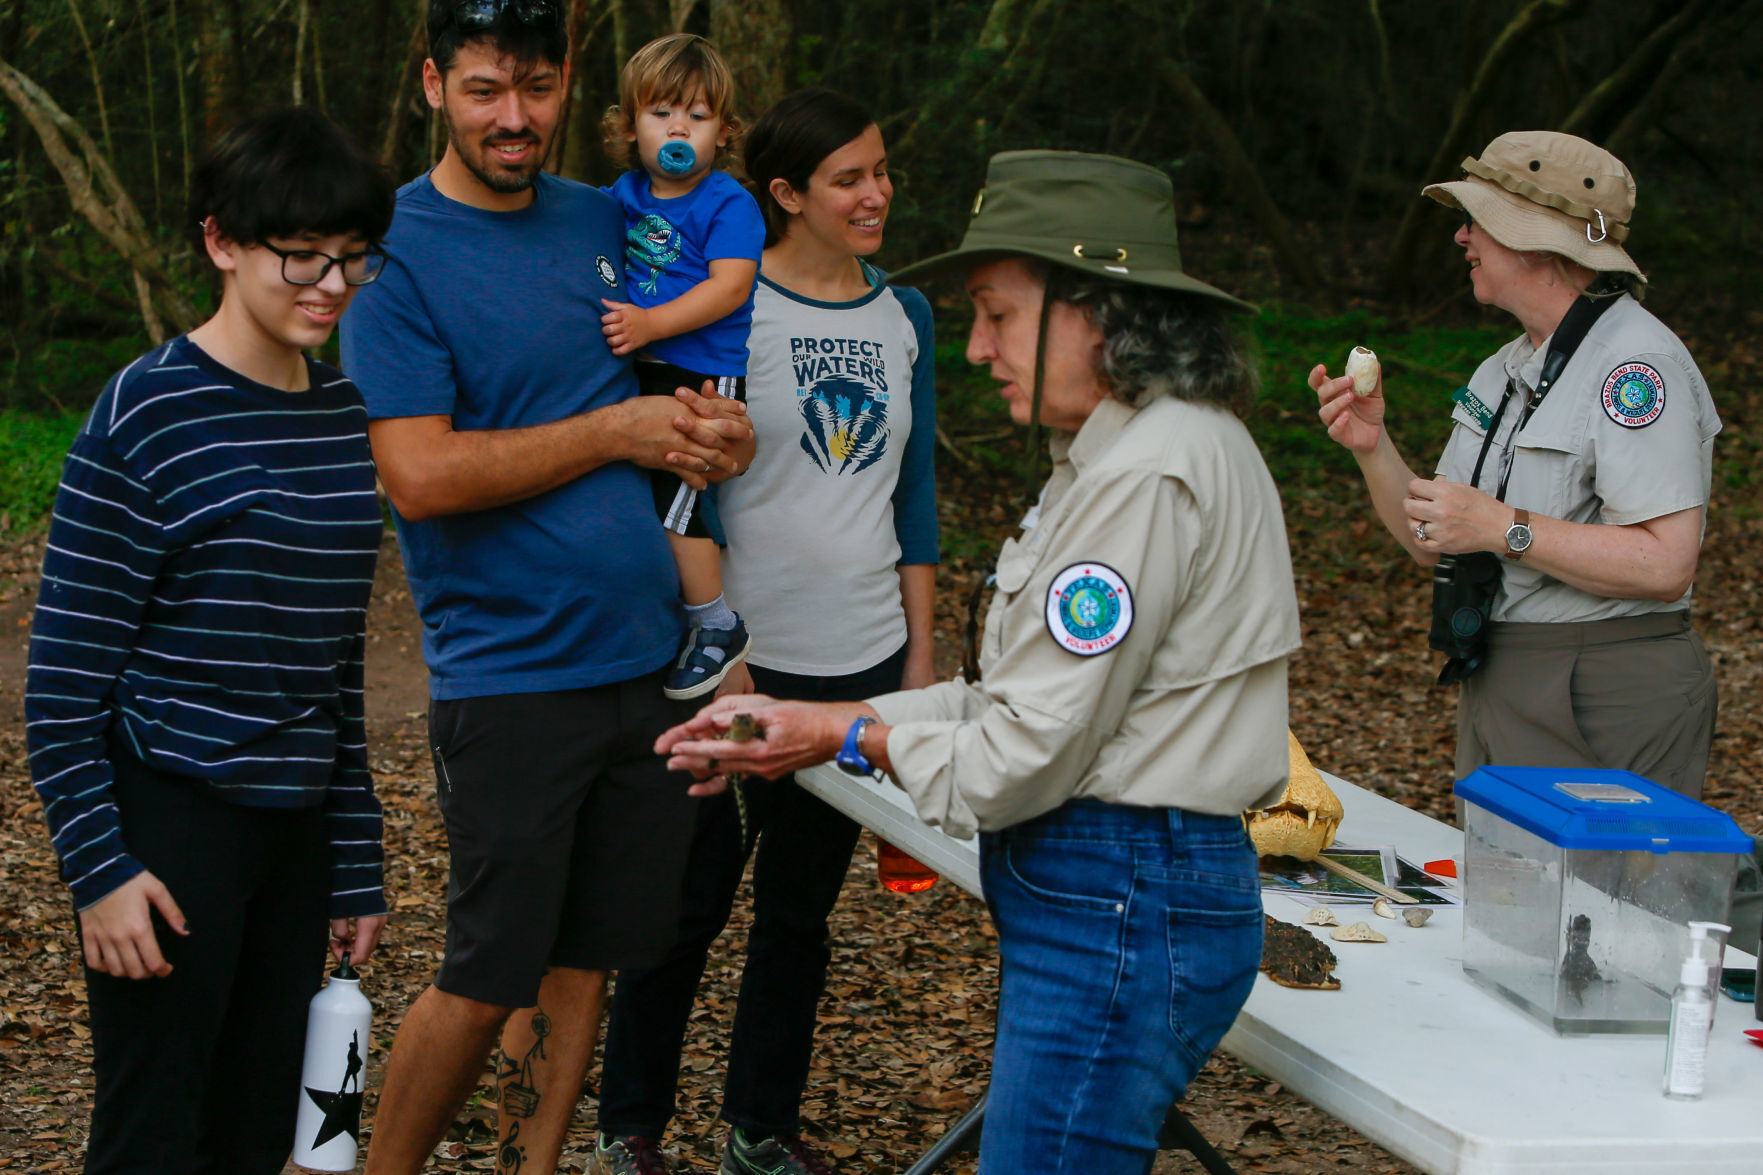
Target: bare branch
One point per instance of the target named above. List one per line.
(99, 196)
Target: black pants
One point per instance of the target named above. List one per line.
(200, 1071)
(804, 848)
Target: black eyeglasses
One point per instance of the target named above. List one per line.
(308, 267)
(1468, 220)
(481, 14)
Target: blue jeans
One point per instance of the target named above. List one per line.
(1130, 939)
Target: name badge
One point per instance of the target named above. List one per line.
(1475, 406)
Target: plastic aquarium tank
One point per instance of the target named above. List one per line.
(1577, 888)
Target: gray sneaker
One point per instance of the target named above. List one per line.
(631, 1155)
(784, 1154)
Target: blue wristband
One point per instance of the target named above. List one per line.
(850, 759)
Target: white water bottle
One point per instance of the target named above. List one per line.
(328, 1128)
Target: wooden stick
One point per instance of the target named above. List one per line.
(1351, 874)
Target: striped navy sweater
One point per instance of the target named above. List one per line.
(203, 607)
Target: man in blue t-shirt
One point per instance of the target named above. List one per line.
(508, 438)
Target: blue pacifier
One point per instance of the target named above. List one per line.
(676, 157)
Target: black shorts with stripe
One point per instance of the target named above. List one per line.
(676, 503)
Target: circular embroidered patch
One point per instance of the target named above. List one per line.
(1634, 395)
(604, 268)
(1089, 608)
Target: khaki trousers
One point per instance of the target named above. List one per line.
(1634, 694)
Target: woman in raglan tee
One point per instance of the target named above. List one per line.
(832, 546)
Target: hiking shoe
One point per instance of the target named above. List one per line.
(783, 1154)
(631, 1155)
(706, 658)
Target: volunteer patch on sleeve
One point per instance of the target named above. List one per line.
(1634, 395)
(1089, 608)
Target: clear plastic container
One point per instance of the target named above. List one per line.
(1577, 888)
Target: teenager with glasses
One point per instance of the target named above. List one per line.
(194, 701)
(508, 437)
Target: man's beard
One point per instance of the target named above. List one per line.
(500, 178)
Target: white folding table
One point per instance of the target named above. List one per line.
(1415, 1056)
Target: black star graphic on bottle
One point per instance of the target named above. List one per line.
(342, 1114)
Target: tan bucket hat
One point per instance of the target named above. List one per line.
(1549, 192)
(1098, 214)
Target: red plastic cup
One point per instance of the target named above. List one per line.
(900, 871)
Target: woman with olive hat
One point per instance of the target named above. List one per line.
(1132, 698)
(1576, 476)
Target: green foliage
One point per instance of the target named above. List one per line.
(1422, 367)
(32, 446)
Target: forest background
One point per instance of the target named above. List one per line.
(1298, 134)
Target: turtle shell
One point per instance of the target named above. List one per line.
(1293, 957)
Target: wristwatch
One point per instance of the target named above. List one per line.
(1518, 536)
(850, 759)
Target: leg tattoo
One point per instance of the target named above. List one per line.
(520, 1094)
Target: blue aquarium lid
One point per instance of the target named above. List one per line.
(1610, 810)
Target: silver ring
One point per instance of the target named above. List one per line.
(1420, 531)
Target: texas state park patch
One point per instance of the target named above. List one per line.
(1089, 608)
(1634, 395)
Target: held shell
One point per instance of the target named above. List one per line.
(1416, 916)
(1358, 932)
(1321, 916)
(1363, 366)
(1304, 821)
(1381, 907)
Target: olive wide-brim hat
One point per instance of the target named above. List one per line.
(1097, 214)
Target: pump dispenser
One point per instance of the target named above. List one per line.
(1692, 1018)
(1708, 941)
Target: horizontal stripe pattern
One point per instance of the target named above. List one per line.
(203, 607)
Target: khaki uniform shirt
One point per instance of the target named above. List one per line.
(1185, 706)
(1627, 434)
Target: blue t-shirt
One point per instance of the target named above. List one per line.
(668, 248)
(479, 316)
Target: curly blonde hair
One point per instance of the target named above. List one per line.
(677, 67)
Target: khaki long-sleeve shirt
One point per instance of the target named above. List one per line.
(1135, 650)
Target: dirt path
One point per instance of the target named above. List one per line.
(907, 1019)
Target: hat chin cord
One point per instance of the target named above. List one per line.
(1034, 411)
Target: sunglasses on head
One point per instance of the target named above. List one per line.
(481, 14)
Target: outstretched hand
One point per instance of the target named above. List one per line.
(792, 735)
(1353, 421)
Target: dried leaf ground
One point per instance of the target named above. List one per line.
(907, 1022)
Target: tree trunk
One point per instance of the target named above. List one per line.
(405, 88)
(99, 196)
(1289, 256)
(755, 37)
(1535, 16)
(578, 155)
(223, 98)
(634, 24)
(1604, 106)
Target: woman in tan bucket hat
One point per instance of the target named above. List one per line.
(1573, 492)
(1132, 698)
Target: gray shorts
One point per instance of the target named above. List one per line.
(567, 835)
(1632, 694)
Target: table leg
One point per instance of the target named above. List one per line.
(961, 1136)
(1180, 1134)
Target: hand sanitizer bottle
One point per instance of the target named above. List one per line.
(1692, 1019)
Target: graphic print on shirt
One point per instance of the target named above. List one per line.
(651, 243)
(842, 393)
